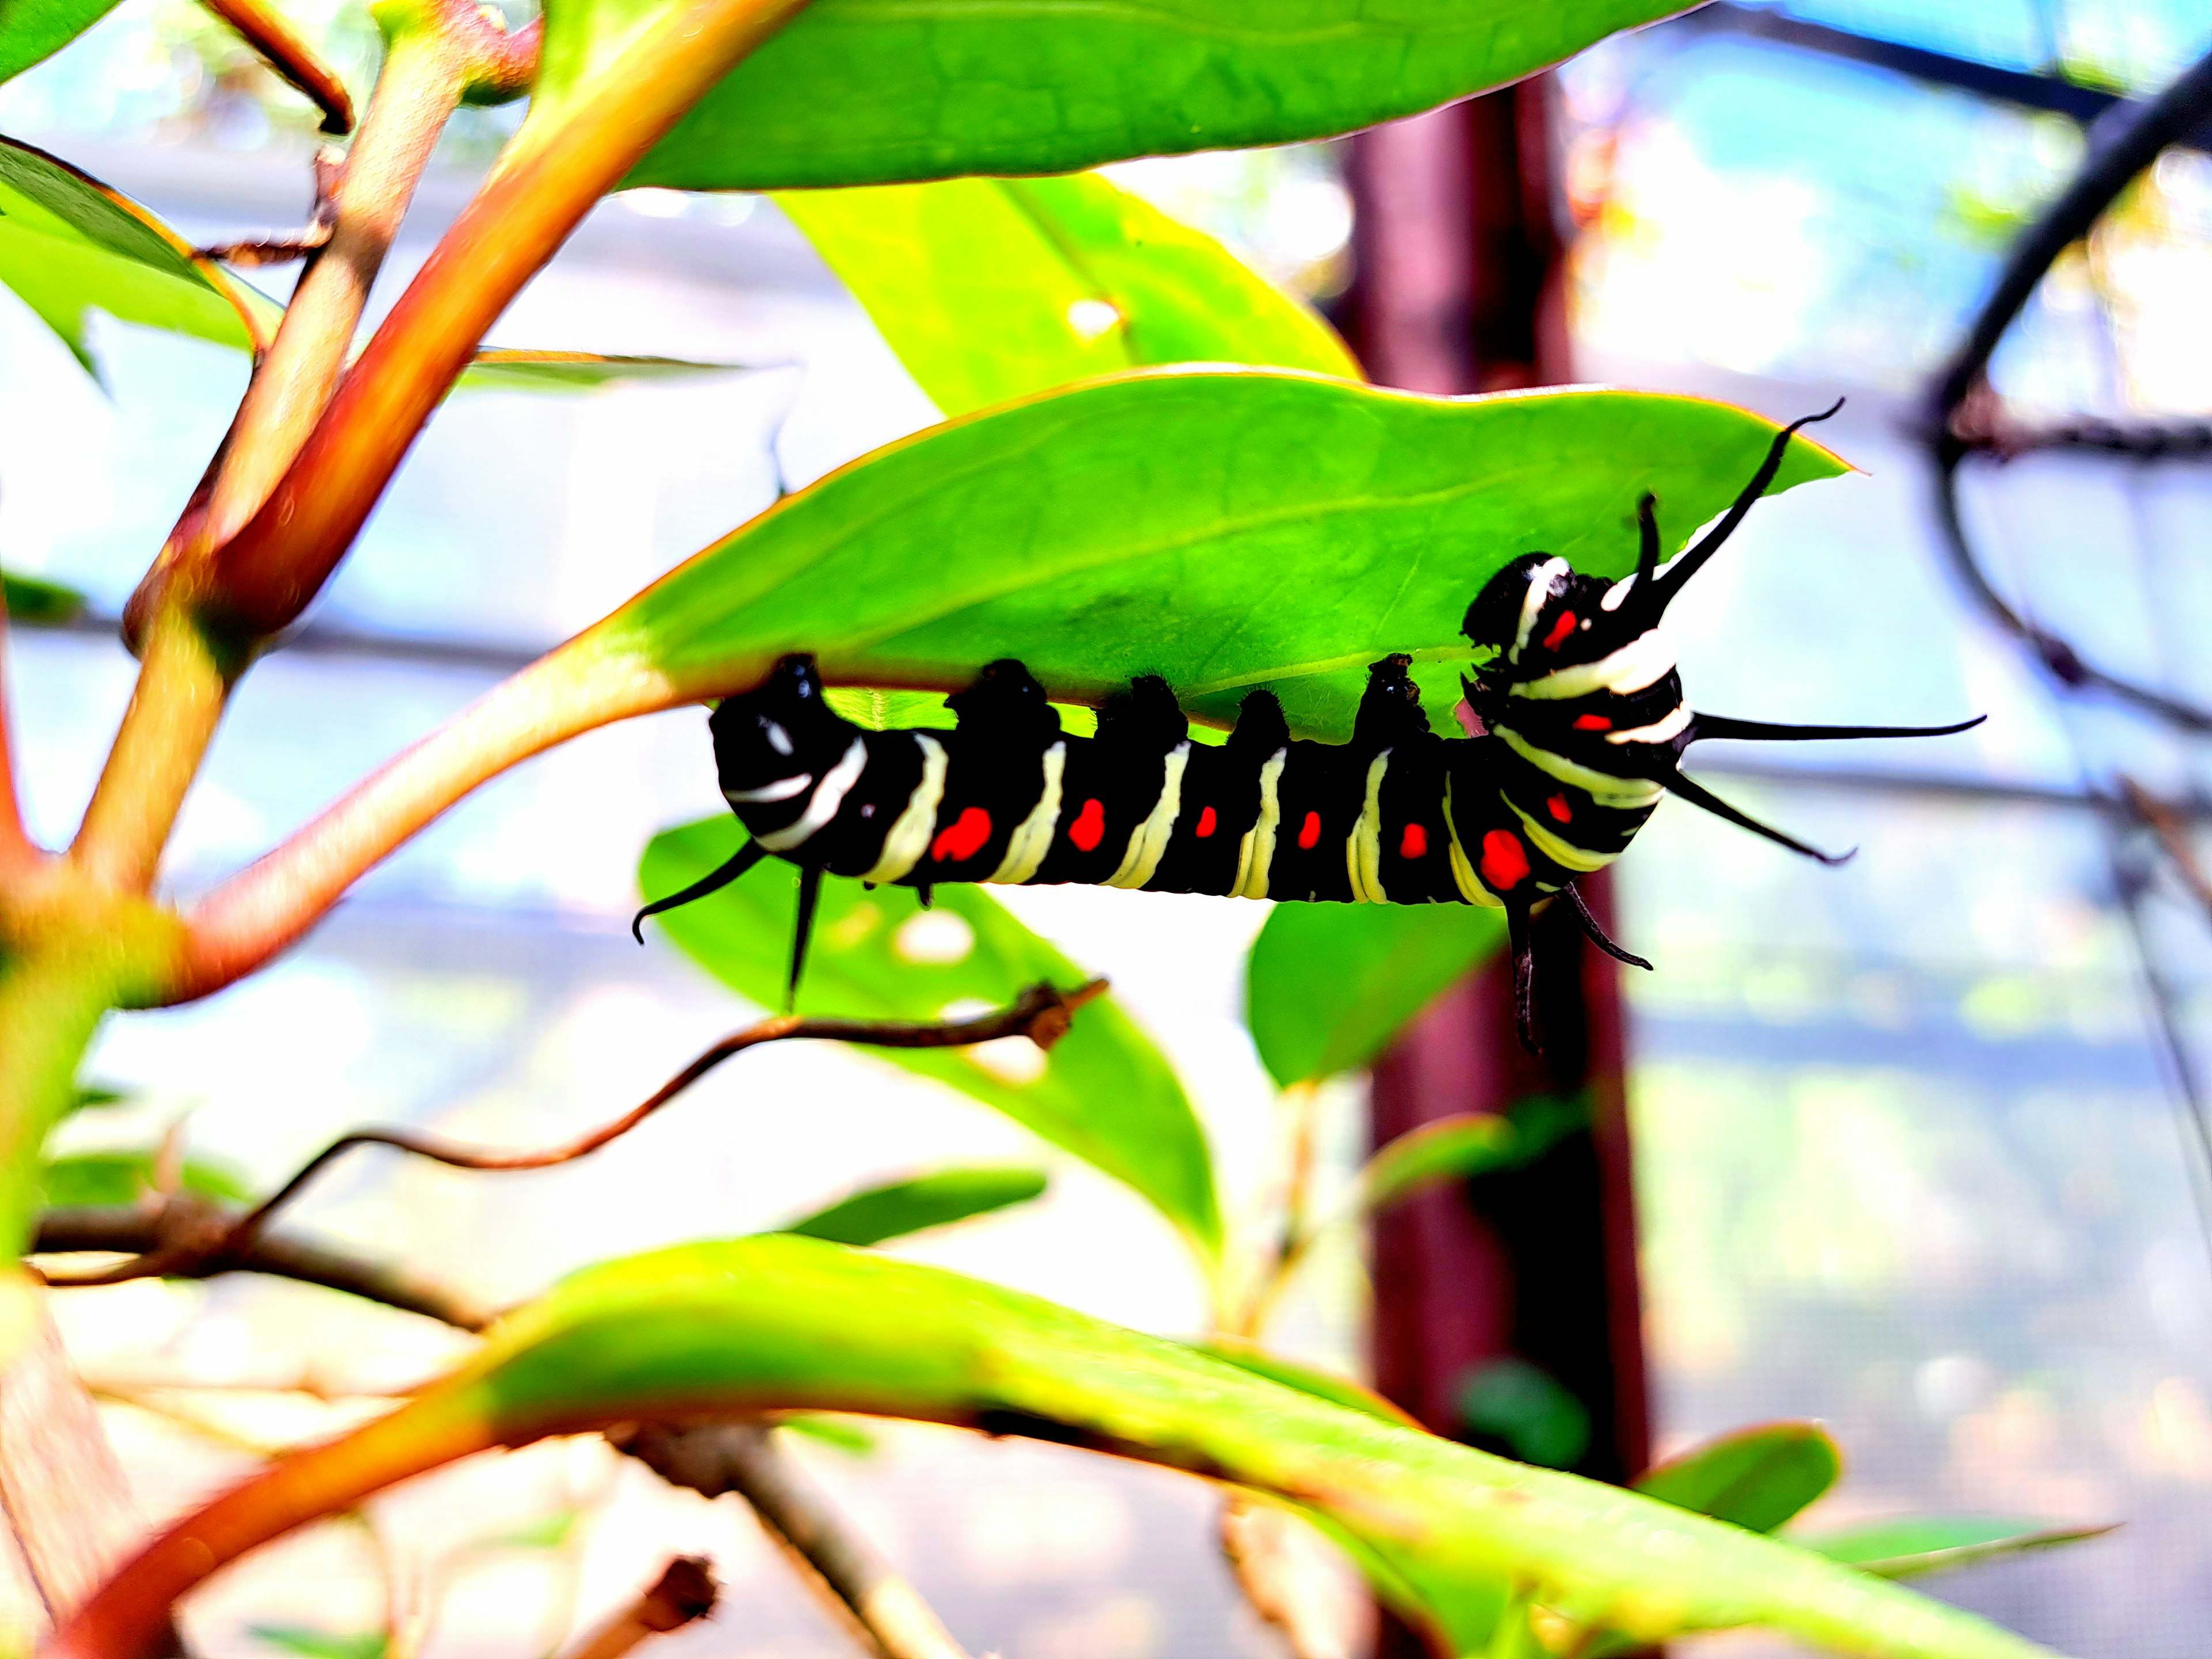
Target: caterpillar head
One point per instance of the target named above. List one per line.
(772, 742)
(1538, 613)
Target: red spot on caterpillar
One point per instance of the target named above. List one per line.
(1089, 828)
(1592, 723)
(1560, 629)
(1558, 807)
(1206, 822)
(1309, 831)
(1414, 843)
(964, 838)
(1505, 861)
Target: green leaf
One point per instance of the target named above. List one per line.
(1104, 1092)
(34, 30)
(841, 1433)
(1306, 1379)
(899, 1207)
(502, 369)
(1524, 1406)
(991, 288)
(1757, 1477)
(773, 1323)
(1386, 963)
(108, 1180)
(39, 602)
(1225, 529)
(1919, 1544)
(68, 245)
(310, 1643)
(1448, 1149)
(547, 1532)
(1048, 85)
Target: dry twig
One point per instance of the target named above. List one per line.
(879, 1604)
(685, 1591)
(190, 1250)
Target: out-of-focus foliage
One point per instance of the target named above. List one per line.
(993, 288)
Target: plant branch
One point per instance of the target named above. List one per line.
(1041, 1014)
(257, 913)
(742, 1457)
(565, 158)
(187, 1231)
(184, 682)
(18, 853)
(282, 48)
(62, 1492)
(685, 1591)
(440, 51)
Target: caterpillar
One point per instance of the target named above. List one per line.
(1577, 729)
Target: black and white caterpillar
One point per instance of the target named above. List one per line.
(1577, 729)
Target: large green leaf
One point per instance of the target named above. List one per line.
(1226, 529)
(1384, 964)
(991, 288)
(34, 30)
(69, 245)
(1757, 1477)
(782, 1323)
(1104, 1092)
(861, 92)
(897, 1208)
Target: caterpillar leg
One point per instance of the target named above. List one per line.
(810, 895)
(740, 861)
(1595, 934)
(1524, 973)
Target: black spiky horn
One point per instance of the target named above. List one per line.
(740, 861)
(1703, 725)
(1697, 795)
(1654, 598)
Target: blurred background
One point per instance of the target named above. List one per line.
(1915, 1147)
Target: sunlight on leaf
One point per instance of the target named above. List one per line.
(994, 289)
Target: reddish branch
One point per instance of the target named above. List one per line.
(266, 30)
(183, 1243)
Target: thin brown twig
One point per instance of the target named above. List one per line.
(2173, 832)
(882, 1607)
(685, 1591)
(322, 220)
(186, 1230)
(1041, 1014)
